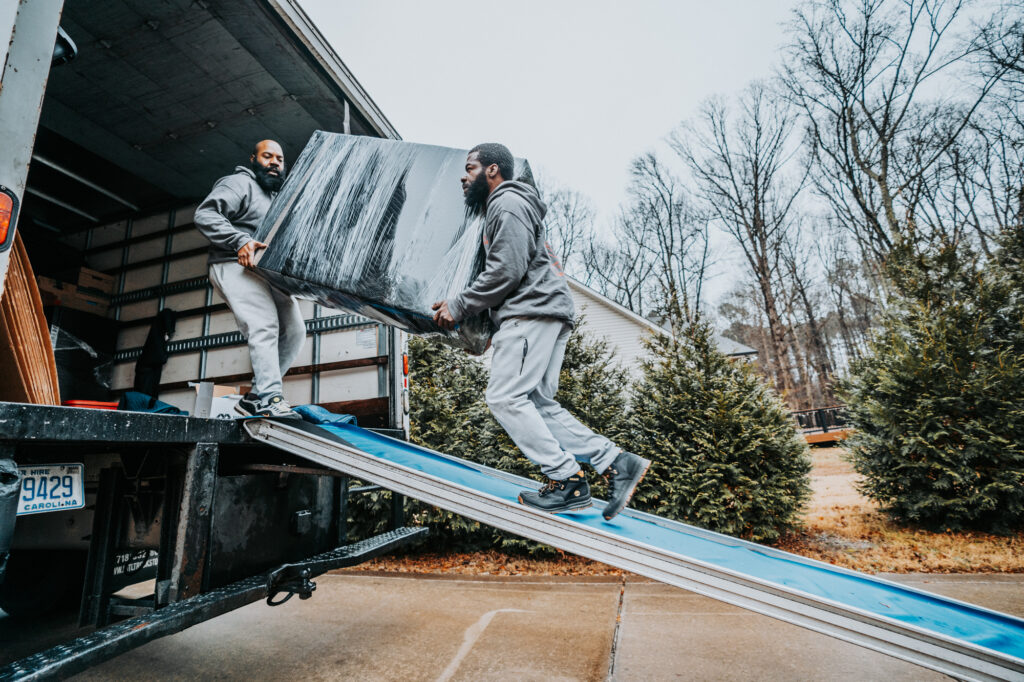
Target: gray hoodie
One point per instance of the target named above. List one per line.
(521, 275)
(229, 216)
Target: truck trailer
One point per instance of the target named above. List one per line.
(116, 119)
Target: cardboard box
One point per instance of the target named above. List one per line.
(96, 281)
(223, 407)
(224, 399)
(221, 390)
(55, 292)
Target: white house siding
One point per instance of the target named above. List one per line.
(624, 335)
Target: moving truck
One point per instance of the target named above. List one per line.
(116, 119)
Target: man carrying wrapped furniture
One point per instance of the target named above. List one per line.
(269, 319)
(523, 286)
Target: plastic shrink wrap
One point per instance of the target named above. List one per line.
(380, 228)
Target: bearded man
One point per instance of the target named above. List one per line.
(268, 318)
(523, 287)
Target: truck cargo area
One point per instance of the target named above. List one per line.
(146, 106)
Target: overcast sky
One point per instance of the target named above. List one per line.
(577, 87)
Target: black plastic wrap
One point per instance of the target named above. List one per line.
(380, 228)
(83, 349)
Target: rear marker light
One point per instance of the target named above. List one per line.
(8, 217)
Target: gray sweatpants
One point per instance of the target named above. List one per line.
(270, 320)
(525, 366)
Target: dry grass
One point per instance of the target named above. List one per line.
(844, 528)
(486, 563)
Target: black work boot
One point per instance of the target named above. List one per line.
(559, 496)
(623, 474)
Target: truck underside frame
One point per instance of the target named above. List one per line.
(165, 492)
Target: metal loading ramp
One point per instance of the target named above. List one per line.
(960, 639)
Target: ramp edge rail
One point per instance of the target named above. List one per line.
(907, 642)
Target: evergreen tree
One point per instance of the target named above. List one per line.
(726, 455)
(938, 405)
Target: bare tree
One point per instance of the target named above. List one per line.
(859, 71)
(659, 255)
(999, 132)
(1000, 41)
(569, 221)
(848, 286)
(740, 169)
(800, 282)
(621, 269)
(673, 234)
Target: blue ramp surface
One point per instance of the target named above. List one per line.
(985, 628)
(944, 634)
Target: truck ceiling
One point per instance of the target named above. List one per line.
(164, 98)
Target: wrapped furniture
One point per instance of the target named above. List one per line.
(380, 228)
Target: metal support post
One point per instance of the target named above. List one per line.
(341, 495)
(397, 511)
(28, 31)
(192, 544)
(106, 529)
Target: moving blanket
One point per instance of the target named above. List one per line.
(379, 228)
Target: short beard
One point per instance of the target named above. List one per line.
(476, 195)
(271, 183)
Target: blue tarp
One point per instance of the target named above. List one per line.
(978, 626)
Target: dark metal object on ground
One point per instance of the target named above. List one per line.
(821, 419)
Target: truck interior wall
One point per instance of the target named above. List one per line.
(175, 254)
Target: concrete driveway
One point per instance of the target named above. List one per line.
(384, 627)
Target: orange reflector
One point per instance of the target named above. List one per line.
(6, 213)
(405, 364)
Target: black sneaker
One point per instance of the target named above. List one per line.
(276, 407)
(249, 405)
(623, 475)
(559, 496)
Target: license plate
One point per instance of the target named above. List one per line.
(51, 487)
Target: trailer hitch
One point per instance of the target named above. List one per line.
(292, 579)
(295, 578)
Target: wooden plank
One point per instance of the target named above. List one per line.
(137, 265)
(829, 437)
(163, 234)
(371, 412)
(28, 371)
(294, 371)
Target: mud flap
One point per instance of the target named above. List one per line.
(10, 487)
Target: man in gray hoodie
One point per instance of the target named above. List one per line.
(524, 288)
(269, 319)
